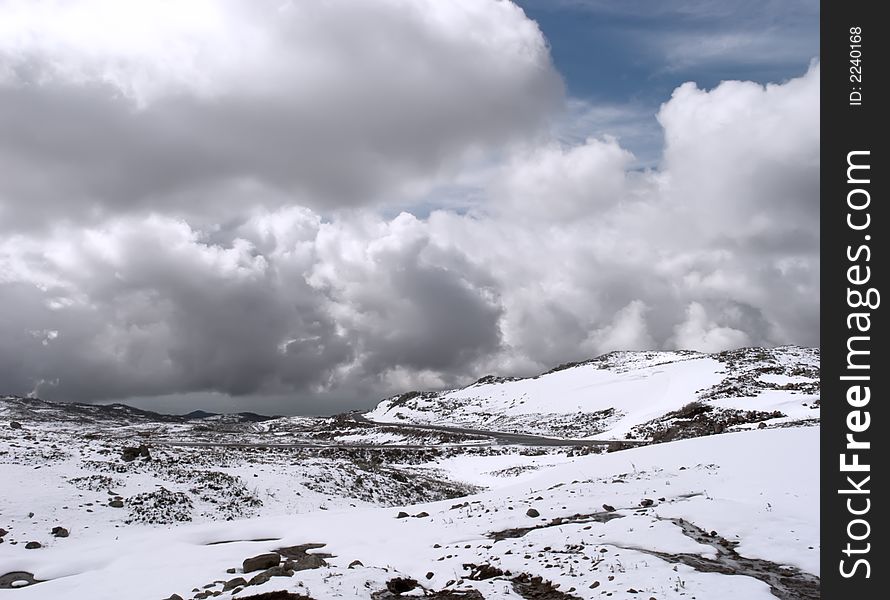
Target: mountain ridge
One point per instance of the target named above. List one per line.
(613, 394)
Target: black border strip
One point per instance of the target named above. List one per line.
(853, 103)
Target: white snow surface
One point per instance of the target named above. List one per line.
(759, 488)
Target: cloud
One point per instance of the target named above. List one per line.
(182, 252)
(203, 109)
(554, 182)
(628, 331)
(697, 332)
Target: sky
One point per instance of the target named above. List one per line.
(303, 208)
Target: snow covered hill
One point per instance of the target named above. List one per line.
(630, 395)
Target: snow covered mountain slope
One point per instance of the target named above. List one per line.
(630, 395)
(711, 517)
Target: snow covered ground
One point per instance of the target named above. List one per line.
(112, 502)
(757, 491)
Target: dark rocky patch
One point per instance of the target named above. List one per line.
(535, 587)
(277, 595)
(400, 585)
(301, 560)
(456, 595)
(483, 571)
(161, 506)
(17, 579)
(516, 532)
(129, 453)
(233, 583)
(260, 562)
(697, 419)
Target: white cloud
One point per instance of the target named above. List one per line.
(202, 108)
(220, 278)
(628, 331)
(554, 182)
(700, 333)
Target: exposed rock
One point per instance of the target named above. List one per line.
(456, 595)
(260, 562)
(354, 564)
(646, 502)
(130, 453)
(300, 559)
(536, 588)
(33, 545)
(60, 532)
(260, 578)
(116, 504)
(483, 571)
(17, 579)
(233, 583)
(532, 513)
(608, 508)
(402, 515)
(277, 595)
(400, 585)
(15, 425)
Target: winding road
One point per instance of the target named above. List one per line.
(489, 438)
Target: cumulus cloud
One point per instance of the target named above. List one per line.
(698, 332)
(223, 233)
(627, 331)
(201, 109)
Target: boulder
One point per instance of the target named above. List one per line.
(129, 453)
(400, 585)
(32, 545)
(260, 578)
(60, 532)
(260, 562)
(233, 583)
(532, 513)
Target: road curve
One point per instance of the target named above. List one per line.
(502, 437)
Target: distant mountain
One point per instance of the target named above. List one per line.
(37, 410)
(630, 395)
(198, 414)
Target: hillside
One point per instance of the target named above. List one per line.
(630, 395)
